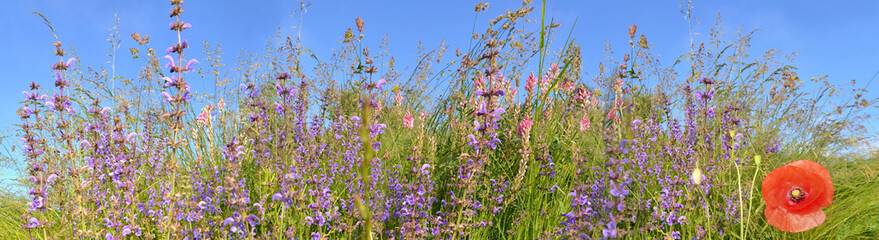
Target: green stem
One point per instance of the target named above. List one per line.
(741, 207)
(365, 166)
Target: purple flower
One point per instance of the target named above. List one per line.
(35, 204)
(31, 223)
(170, 82)
(618, 190)
(425, 168)
(167, 97)
(253, 220)
(380, 83)
(228, 221)
(51, 178)
(610, 231)
(130, 135)
(189, 64)
(377, 146)
(493, 143)
(171, 63)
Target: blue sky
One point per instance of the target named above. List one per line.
(832, 39)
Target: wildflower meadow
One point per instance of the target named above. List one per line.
(505, 138)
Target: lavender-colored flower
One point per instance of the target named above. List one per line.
(31, 223)
(172, 81)
(189, 65)
(51, 178)
(167, 97)
(171, 63)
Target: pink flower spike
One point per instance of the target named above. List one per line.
(203, 118)
(525, 127)
(398, 98)
(584, 123)
(612, 114)
(408, 121)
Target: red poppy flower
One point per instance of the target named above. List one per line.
(794, 195)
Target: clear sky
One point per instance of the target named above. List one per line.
(832, 38)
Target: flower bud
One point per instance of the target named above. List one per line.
(697, 176)
(757, 159)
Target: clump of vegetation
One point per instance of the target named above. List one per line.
(352, 148)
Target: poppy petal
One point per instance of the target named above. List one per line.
(781, 180)
(823, 177)
(793, 222)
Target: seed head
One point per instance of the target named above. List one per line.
(632, 30)
(359, 22)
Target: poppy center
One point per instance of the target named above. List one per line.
(796, 194)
